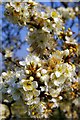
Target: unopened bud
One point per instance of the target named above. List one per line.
(63, 28)
(70, 33)
(31, 29)
(39, 64)
(38, 74)
(60, 97)
(31, 78)
(27, 71)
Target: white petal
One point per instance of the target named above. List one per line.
(43, 71)
(29, 96)
(54, 92)
(44, 78)
(4, 74)
(36, 92)
(66, 52)
(42, 88)
(35, 84)
(36, 100)
(58, 74)
(23, 63)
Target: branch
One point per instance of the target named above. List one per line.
(64, 4)
(51, 3)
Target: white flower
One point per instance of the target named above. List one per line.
(57, 55)
(16, 5)
(66, 52)
(59, 81)
(70, 40)
(28, 84)
(28, 96)
(36, 100)
(39, 39)
(54, 92)
(64, 72)
(30, 59)
(32, 97)
(36, 92)
(45, 79)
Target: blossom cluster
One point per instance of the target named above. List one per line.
(42, 22)
(68, 12)
(42, 83)
(30, 12)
